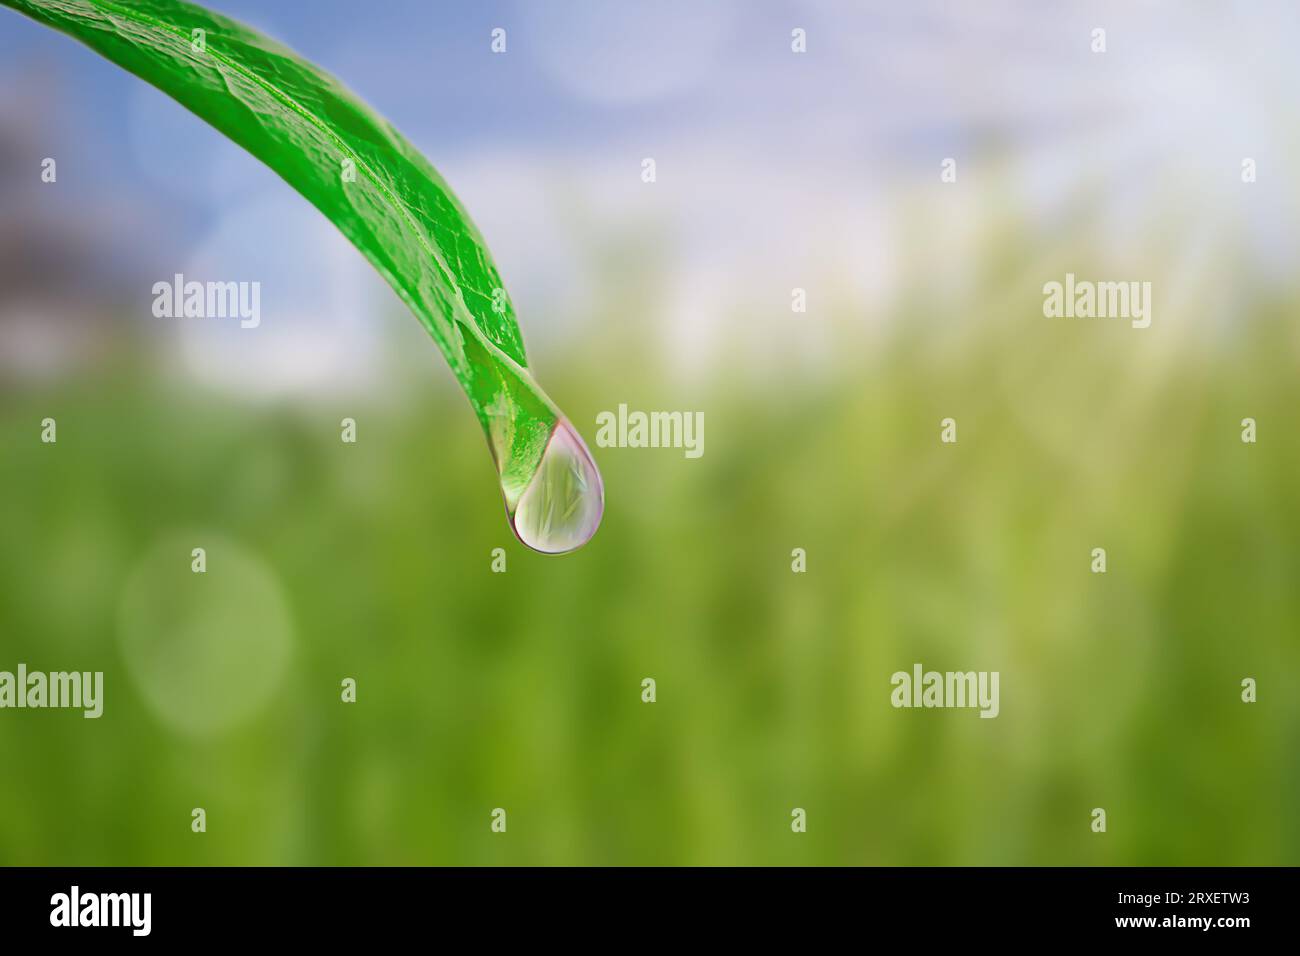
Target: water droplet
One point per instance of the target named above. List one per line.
(561, 507)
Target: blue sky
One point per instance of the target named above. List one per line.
(773, 167)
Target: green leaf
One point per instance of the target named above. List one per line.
(353, 166)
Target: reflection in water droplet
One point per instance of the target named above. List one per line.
(561, 507)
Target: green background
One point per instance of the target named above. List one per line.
(522, 690)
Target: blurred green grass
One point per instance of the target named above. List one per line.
(522, 690)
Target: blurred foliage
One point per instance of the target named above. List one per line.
(522, 690)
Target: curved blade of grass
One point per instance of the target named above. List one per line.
(354, 167)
